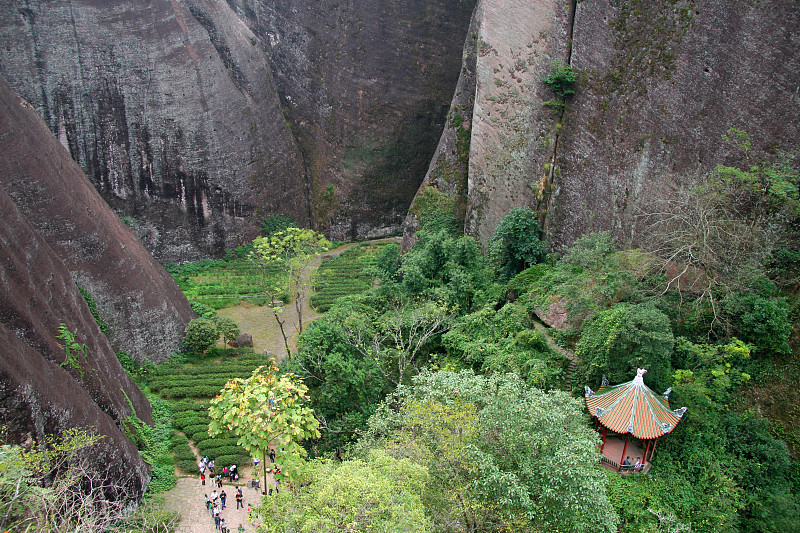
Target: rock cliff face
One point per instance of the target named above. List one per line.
(39, 396)
(498, 136)
(660, 83)
(196, 119)
(169, 109)
(143, 307)
(57, 233)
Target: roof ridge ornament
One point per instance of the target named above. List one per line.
(604, 381)
(680, 412)
(639, 379)
(667, 393)
(589, 392)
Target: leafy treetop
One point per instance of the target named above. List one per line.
(265, 410)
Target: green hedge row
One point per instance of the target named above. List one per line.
(217, 303)
(196, 428)
(210, 443)
(242, 369)
(345, 275)
(200, 379)
(199, 436)
(221, 450)
(233, 363)
(193, 391)
(193, 420)
(182, 406)
(228, 289)
(171, 382)
(239, 460)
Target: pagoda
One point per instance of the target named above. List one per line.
(633, 418)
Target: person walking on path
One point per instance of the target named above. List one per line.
(222, 498)
(216, 517)
(239, 498)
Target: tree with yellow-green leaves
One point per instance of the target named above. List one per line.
(291, 251)
(266, 410)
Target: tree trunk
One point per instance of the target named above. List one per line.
(283, 333)
(264, 464)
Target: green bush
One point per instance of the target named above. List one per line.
(561, 79)
(196, 428)
(200, 335)
(239, 459)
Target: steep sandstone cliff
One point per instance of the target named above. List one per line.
(195, 119)
(41, 395)
(660, 83)
(169, 109)
(145, 311)
(499, 137)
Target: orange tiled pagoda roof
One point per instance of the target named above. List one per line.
(633, 408)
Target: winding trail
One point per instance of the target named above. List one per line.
(573, 359)
(188, 495)
(260, 322)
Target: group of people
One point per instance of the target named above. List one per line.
(636, 467)
(216, 504)
(208, 469)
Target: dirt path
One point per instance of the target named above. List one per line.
(260, 321)
(188, 495)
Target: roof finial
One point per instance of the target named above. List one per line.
(639, 379)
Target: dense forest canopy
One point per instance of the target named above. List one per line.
(431, 364)
(447, 386)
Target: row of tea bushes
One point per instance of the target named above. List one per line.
(348, 274)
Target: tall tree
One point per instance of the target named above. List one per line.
(265, 410)
(617, 341)
(397, 340)
(379, 494)
(516, 243)
(200, 335)
(227, 328)
(344, 384)
(291, 251)
(501, 455)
